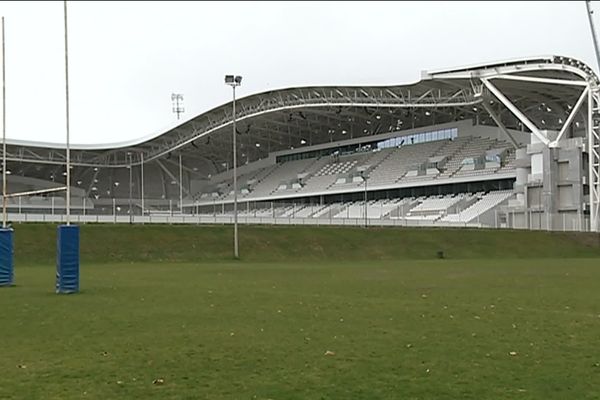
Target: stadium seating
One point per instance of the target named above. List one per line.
(382, 167)
(436, 205)
(485, 203)
(399, 160)
(471, 147)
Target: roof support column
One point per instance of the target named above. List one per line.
(593, 136)
(500, 124)
(166, 170)
(569, 120)
(515, 111)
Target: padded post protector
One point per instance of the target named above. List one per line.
(67, 259)
(6, 257)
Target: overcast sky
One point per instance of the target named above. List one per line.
(126, 58)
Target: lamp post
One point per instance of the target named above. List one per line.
(142, 181)
(180, 185)
(363, 174)
(234, 81)
(130, 187)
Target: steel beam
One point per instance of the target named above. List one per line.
(504, 100)
(500, 125)
(582, 98)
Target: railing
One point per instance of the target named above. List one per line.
(334, 216)
(224, 220)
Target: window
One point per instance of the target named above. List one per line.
(420, 137)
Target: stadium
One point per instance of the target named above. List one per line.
(511, 144)
(426, 240)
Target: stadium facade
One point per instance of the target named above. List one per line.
(508, 144)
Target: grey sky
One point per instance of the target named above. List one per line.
(126, 58)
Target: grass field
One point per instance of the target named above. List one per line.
(403, 326)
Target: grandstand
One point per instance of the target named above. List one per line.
(508, 144)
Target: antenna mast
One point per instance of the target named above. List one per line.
(593, 29)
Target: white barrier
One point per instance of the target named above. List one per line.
(224, 220)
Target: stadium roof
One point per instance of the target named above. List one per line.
(544, 89)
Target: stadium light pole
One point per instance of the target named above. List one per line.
(178, 109)
(142, 182)
(363, 174)
(365, 179)
(180, 185)
(234, 81)
(130, 187)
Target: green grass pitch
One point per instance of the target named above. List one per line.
(337, 328)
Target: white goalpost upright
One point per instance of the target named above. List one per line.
(6, 234)
(3, 129)
(67, 260)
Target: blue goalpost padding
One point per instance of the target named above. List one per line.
(67, 259)
(6, 257)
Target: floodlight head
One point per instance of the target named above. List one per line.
(233, 80)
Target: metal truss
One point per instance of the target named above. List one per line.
(536, 95)
(263, 108)
(593, 144)
(573, 80)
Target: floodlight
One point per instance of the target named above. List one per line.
(233, 80)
